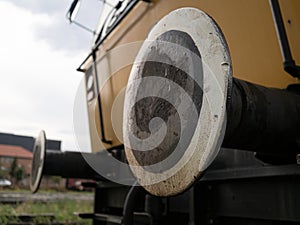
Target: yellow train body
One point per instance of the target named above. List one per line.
(248, 27)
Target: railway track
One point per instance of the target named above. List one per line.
(36, 219)
(12, 198)
(17, 198)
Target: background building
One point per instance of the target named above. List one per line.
(26, 142)
(15, 164)
(16, 157)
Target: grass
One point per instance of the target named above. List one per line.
(63, 211)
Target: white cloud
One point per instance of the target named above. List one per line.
(38, 6)
(58, 33)
(37, 82)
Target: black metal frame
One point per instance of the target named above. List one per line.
(103, 136)
(289, 64)
(236, 189)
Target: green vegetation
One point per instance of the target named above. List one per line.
(6, 214)
(17, 172)
(63, 211)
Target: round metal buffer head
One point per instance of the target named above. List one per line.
(175, 104)
(39, 153)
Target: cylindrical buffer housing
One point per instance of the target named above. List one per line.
(64, 164)
(71, 164)
(264, 120)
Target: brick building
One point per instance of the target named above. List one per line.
(23, 158)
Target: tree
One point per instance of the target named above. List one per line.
(17, 173)
(13, 168)
(20, 173)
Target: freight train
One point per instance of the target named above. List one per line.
(193, 110)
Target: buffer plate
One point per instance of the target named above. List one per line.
(39, 153)
(175, 104)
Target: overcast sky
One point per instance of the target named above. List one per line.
(39, 54)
